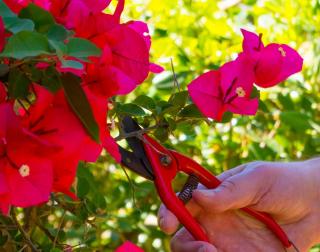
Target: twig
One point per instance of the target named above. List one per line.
(23, 233)
(45, 231)
(71, 210)
(138, 133)
(175, 80)
(132, 187)
(59, 228)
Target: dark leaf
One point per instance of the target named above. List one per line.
(5, 10)
(191, 111)
(18, 84)
(80, 104)
(131, 109)
(15, 24)
(161, 134)
(57, 32)
(42, 19)
(4, 69)
(51, 79)
(145, 102)
(26, 44)
(72, 64)
(82, 48)
(179, 99)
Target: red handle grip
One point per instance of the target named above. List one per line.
(189, 166)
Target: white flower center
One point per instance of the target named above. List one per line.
(24, 170)
(240, 92)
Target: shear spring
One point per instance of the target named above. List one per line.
(191, 184)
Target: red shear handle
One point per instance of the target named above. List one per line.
(189, 166)
(163, 179)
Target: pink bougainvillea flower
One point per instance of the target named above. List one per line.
(52, 120)
(128, 247)
(273, 63)
(99, 107)
(17, 5)
(25, 175)
(4, 203)
(71, 12)
(125, 60)
(226, 89)
(142, 29)
(124, 63)
(2, 35)
(3, 93)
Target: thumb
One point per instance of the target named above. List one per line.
(238, 191)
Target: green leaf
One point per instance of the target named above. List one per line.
(83, 187)
(131, 109)
(72, 64)
(51, 79)
(5, 10)
(296, 120)
(255, 93)
(57, 32)
(191, 111)
(162, 106)
(59, 47)
(145, 102)
(4, 69)
(227, 116)
(172, 124)
(15, 24)
(161, 134)
(55, 250)
(80, 104)
(26, 44)
(99, 201)
(82, 48)
(42, 19)
(179, 99)
(18, 84)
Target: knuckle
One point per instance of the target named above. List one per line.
(229, 185)
(260, 168)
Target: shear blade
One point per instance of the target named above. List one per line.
(129, 160)
(138, 157)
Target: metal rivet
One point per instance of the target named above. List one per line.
(165, 160)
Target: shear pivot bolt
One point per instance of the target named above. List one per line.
(165, 160)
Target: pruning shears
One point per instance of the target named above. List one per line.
(154, 162)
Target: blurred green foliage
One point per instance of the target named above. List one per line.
(197, 35)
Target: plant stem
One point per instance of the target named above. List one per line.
(138, 133)
(23, 233)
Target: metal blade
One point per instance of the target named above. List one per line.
(133, 163)
(129, 125)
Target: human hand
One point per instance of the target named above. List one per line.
(290, 192)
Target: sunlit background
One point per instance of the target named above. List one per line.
(199, 35)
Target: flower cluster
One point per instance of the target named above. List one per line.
(44, 131)
(230, 87)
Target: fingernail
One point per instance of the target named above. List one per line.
(203, 249)
(161, 222)
(206, 249)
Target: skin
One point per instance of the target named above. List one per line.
(290, 192)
